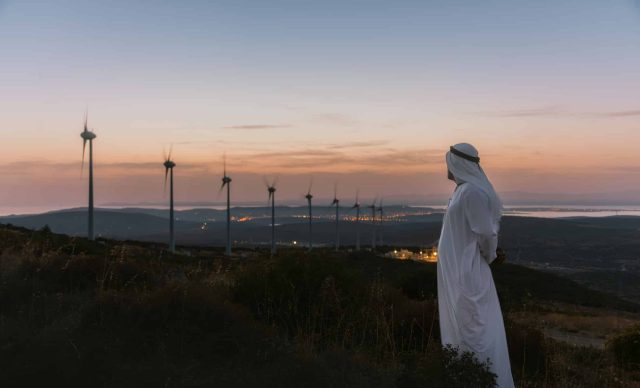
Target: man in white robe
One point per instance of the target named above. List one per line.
(470, 314)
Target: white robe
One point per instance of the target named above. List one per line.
(470, 315)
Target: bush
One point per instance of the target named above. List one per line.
(321, 305)
(446, 367)
(626, 347)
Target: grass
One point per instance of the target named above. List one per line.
(124, 314)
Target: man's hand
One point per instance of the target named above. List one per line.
(501, 257)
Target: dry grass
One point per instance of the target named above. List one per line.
(578, 324)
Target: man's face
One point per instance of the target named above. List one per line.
(450, 176)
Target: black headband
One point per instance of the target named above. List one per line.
(461, 154)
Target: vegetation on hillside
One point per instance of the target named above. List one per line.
(125, 314)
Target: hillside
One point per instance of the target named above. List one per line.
(110, 313)
(602, 253)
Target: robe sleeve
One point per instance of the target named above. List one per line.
(478, 214)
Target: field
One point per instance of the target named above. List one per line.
(128, 314)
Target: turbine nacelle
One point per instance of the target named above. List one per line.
(357, 203)
(225, 178)
(272, 191)
(309, 196)
(87, 135)
(168, 165)
(271, 186)
(335, 201)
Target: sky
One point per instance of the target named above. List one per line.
(368, 95)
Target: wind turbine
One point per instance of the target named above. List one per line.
(356, 206)
(373, 222)
(271, 188)
(88, 136)
(309, 197)
(336, 202)
(381, 211)
(168, 166)
(226, 181)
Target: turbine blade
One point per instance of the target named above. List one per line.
(84, 148)
(266, 182)
(166, 174)
(170, 151)
(224, 164)
(275, 182)
(86, 120)
(310, 185)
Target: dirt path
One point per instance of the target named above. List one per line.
(577, 339)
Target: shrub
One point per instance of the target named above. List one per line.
(322, 305)
(626, 347)
(446, 367)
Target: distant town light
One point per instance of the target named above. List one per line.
(430, 255)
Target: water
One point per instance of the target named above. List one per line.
(572, 211)
(560, 211)
(563, 211)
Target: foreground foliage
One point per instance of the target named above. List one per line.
(128, 315)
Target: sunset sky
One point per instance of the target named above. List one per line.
(368, 94)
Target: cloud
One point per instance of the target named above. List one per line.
(116, 168)
(554, 111)
(337, 119)
(623, 113)
(359, 156)
(358, 144)
(258, 126)
(338, 160)
(535, 112)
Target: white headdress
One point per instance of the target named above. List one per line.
(464, 163)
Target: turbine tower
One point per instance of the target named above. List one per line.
(226, 181)
(381, 211)
(88, 136)
(336, 202)
(309, 197)
(169, 165)
(356, 206)
(271, 188)
(373, 222)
